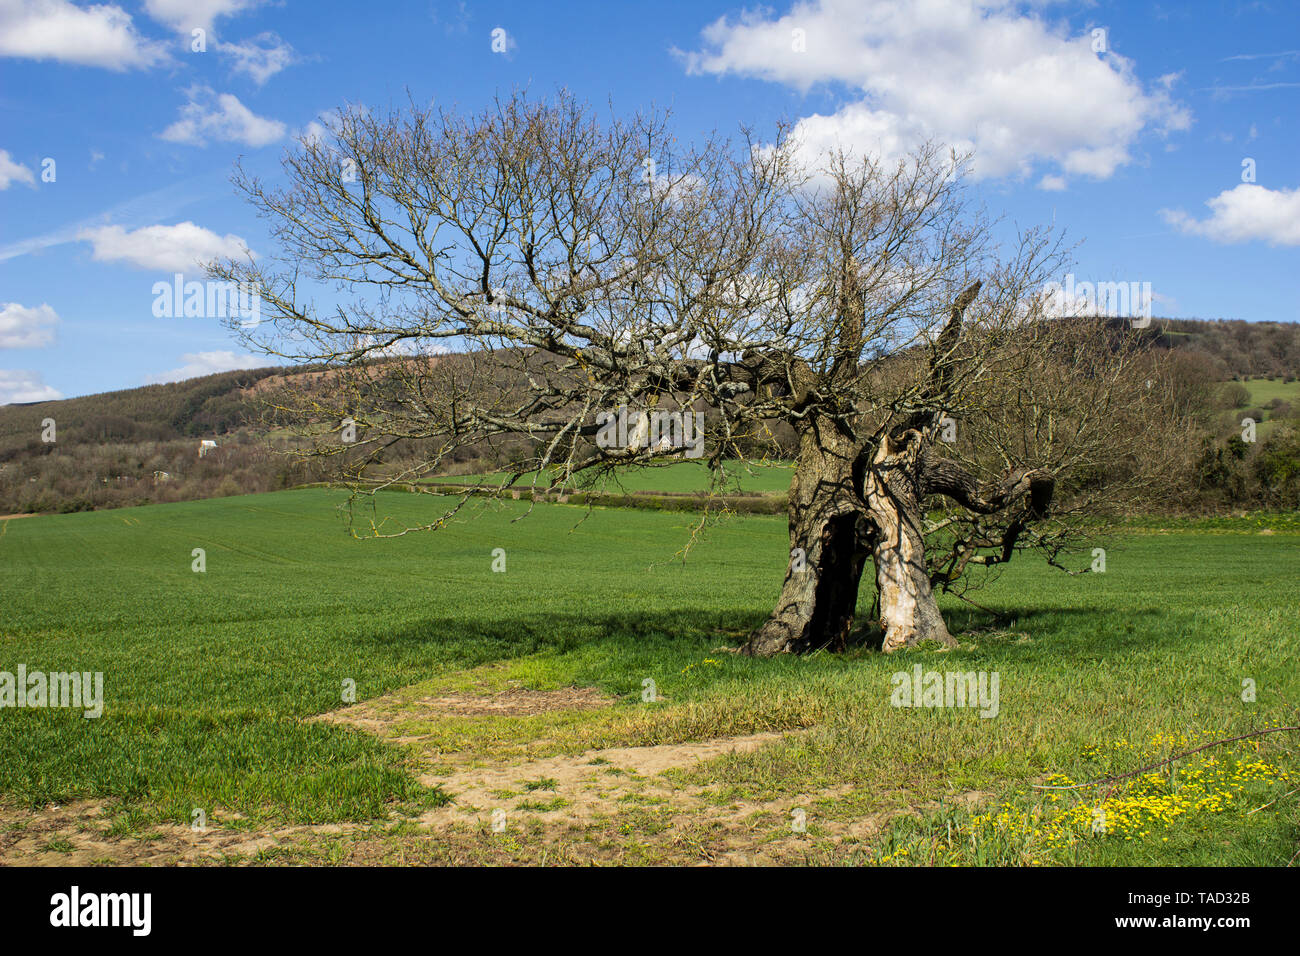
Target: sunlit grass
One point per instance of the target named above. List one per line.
(208, 677)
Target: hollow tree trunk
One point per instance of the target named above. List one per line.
(834, 529)
(847, 501)
(820, 592)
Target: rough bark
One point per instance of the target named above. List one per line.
(901, 474)
(848, 501)
(820, 592)
(909, 613)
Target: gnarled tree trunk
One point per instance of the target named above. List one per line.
(820, 592)
(848, 501)
(891, 489)
(840, 516)
(842, 511)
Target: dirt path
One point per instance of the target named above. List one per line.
(606, 805)
(591, 783)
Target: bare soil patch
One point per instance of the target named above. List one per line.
(607, 805)
(591, 783)
(80, 834)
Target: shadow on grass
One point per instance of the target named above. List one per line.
(1069, 634)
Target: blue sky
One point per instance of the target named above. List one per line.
(1126, 124)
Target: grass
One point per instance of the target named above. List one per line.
(1264, 390)
(679, 477)
(208, 677)
(1244, 522)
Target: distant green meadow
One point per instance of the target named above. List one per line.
(678, 477)
(1264, 390)
(208, 676)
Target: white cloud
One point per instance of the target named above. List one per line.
(403, 347)
(969, 73)
(186, 15)
(261, 57)
(208, 116)
(314, 133)
(100, 35)
(1052, 183)
(1168, 304)
(24, 385)
(455, 22)
(178, 248)
(12, 172)
(22, 327)
(195, 364)
(1245, 213)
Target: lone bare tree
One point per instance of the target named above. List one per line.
(517, 277)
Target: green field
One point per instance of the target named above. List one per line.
(680, 477)
(1264, 390)
(209, 678)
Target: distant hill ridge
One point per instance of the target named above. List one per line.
(217, 404)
